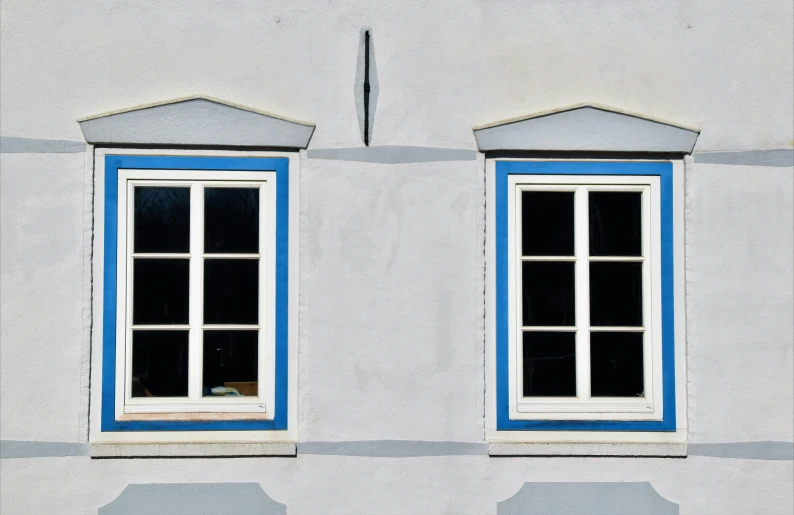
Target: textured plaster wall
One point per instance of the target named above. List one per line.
(722, 66)
(391, 301)
(41, 296)
(741, 303)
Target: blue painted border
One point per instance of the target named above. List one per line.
(665, 172)
(112, 165)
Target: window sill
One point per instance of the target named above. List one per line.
(204, 450)
(669, 450)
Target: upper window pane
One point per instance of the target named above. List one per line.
(547, 223)
(162, 219)
(615, 223)
(231, 220)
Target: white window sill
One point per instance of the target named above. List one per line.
(670, 450)
(205, 450)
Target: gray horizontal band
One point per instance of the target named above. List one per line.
(26, 449)
(766, 450)
(393, 154)
(393, 448)
(15, 145)
(745, 450)
(776, 157)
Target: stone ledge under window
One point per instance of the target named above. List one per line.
(204, 450)
(670, 450)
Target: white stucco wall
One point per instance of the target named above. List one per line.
(443, 67)
(741, 339)
(391, 287)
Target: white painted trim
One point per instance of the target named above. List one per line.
(662, 449)
(167, 449)
(95, 397)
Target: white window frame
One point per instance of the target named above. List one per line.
(262, 405)
(584, 407)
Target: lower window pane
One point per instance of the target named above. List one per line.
(230, 363)
(616, 365)
(549, 364)
(159, 363)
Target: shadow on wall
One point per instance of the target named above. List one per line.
(587, 499)
(193, 499)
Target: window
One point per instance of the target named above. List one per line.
(195, 293)
(584, 292)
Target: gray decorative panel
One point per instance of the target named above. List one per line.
(587, 499)
(193, 499)
(586, 128)
(196, 121)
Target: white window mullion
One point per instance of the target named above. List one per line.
(582, 292)
(196, 310)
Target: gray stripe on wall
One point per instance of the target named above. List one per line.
(15, 145)
(25, 449)
(393, 154)
(776, 157)
(745, 450)
(768, 450)
(393, 448)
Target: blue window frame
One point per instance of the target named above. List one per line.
(113, 163)
(503, 172)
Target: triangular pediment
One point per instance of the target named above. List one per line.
(197, 120)
(586, 128)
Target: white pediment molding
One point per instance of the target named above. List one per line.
(195, 120)
(586, 128)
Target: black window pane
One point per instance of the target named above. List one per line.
(160, 291)
(159, 363)
(162, 219)
(230, 291)
(616, 365)
(548, 293)
(231, 220)
(230, 363)
(616, 294)
(615, 223)
(547, 223)
(549, 364)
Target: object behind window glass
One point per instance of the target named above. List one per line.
(159, 363)
(230, 363)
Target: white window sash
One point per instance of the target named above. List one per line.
(583, 406)
(261, 404)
